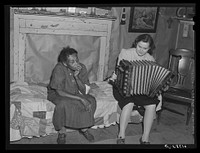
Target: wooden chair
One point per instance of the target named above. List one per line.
(181, 63)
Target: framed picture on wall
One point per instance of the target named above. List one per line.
(143, 19)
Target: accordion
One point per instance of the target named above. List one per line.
(141, 78)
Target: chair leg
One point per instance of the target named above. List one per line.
(189, 114)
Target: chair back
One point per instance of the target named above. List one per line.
(181, 63)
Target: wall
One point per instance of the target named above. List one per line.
(164, 37)
(11, 45)
(185, 41)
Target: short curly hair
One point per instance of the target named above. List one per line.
(145, 38)
(65, 52)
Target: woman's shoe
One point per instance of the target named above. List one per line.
(120, 140)
(143, 142)
(61, 138)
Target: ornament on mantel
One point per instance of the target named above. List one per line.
(123, 17)
(93, 11)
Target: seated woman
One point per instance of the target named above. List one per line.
(74, 108)
(142, 49)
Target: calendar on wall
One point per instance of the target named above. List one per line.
(185, 35)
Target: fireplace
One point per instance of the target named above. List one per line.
(26, 25)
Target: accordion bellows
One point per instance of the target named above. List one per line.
(141, 77)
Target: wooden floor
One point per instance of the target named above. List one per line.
(171, 130)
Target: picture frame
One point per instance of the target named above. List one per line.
(143, 19)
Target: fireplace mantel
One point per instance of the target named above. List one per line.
(41, 24)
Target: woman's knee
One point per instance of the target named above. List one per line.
(127, 107)
(150, 107)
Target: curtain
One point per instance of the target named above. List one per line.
(42, 51)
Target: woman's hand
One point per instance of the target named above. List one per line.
(77, 71)
(166, 88)
(167, 85)
(113, 77)
(78, 67)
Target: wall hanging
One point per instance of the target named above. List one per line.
(143, 19)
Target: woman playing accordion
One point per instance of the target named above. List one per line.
(141, 50)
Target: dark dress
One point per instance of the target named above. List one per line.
(69, 112)
(138, 100)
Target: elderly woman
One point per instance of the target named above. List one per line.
(67, 89)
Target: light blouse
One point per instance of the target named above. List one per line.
(131, 55)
